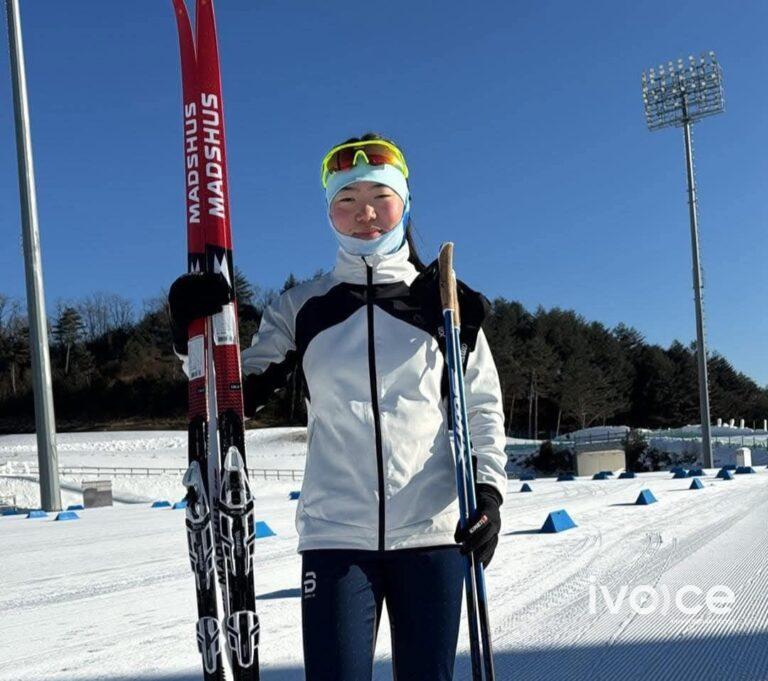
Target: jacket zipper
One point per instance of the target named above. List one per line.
(375, 400)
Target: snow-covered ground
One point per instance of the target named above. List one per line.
(273, 447)
(111, 596)
(268, 448)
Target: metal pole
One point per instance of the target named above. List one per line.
(50, 496)
(701, 348)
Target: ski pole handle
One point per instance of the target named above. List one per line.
(448, 281)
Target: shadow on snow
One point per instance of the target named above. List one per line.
(713, 658)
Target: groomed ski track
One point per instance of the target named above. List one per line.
(110, 596)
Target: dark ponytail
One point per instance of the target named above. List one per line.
(413, 258)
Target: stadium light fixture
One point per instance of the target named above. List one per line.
(677, 96)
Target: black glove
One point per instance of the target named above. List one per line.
(482, 530)
(195, 295)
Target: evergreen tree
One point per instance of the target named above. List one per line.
(248, 312)
(505, 329)
(568, 372)
(542, 370)
(68, 331)
(684, 397)
(582, 388)
(244, 291)
(652, 388)
(290, 282)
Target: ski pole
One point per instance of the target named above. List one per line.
(477, 601)
(479, 571)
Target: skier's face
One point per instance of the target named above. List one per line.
(366, 210)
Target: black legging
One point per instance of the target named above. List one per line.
(342, 594)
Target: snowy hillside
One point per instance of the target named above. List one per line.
(111, 596)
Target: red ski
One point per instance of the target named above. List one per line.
(220, 520)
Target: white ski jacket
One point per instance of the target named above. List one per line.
(368, 338)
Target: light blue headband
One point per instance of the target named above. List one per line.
(362, 172)
(388, 175)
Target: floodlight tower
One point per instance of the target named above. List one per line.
(45, 423)
(678, 95)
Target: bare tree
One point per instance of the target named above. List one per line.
(265, 298)
(120, 313)
(153, 304)
(94, 310)
(5, 303)
(102, 312)
(14, 341)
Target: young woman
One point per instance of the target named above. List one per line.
(377, 515)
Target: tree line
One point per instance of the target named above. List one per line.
(560, 372)
(113, 367)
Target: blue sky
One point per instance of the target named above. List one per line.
(522, 124)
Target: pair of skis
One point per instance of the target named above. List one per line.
(220, 517)
(474, 576)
